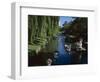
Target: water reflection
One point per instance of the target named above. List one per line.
(64, 55)
(61, 56)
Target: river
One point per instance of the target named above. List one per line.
(63, 57)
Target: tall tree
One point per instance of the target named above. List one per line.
(41, 30)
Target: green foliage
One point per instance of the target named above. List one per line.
(41, 30)
(34, 47)
(77, 28)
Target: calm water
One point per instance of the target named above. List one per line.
(63, 57)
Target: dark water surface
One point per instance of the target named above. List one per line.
(63, 56)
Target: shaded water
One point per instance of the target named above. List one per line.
(62, 57)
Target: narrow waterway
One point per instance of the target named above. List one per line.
(63, 57)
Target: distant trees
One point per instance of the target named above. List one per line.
(78, 28)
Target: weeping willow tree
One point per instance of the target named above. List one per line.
(41, 31)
